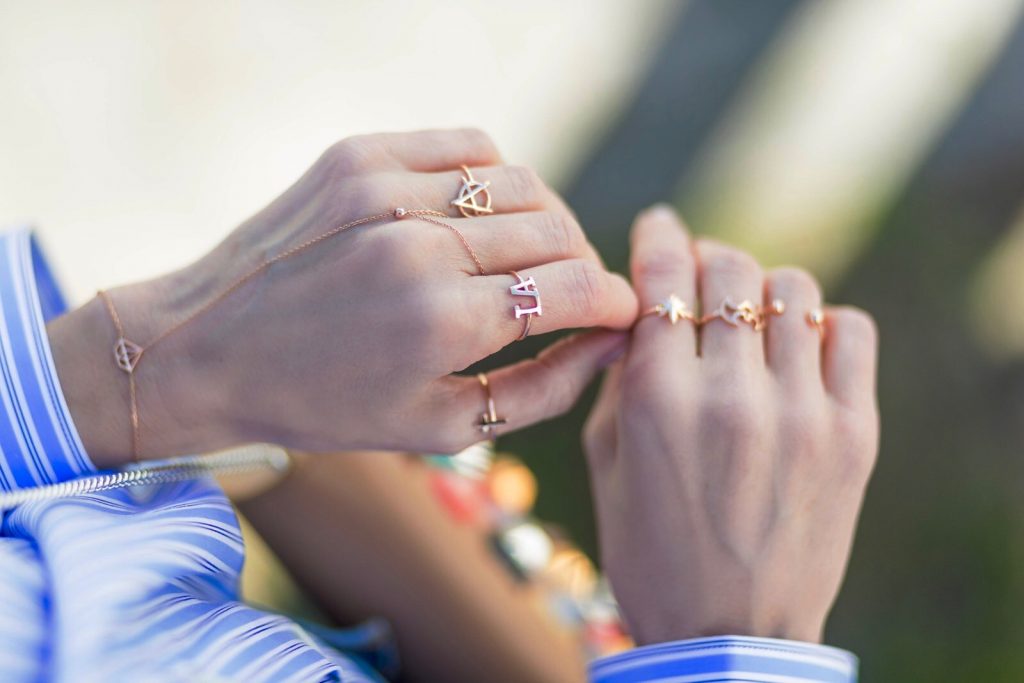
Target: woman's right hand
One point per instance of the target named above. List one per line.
(353, 343)
(729, 464)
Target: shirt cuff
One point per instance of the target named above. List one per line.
(38, 441)
(728, 658)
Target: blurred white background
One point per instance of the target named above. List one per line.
(136, 135)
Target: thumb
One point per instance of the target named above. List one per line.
(540, 388)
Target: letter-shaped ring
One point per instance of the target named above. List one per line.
(525, 287)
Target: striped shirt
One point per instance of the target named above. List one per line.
(142, 584)
(130, 584)
(729, 658)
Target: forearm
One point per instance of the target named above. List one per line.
(364, 535)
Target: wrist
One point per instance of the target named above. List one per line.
(799, 629)
(182, 405)
(723, 606)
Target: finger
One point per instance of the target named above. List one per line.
(729, 274)
(532, 390)
(600, 430)
(438, 150)
(662, 264)
(565, 294)
(510, 189)
(522, 240)
(792, 345)
(850, 356)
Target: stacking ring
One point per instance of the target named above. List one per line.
(489, 420)
(525, 287)
(744, 312)
(672, 309)
(474, 199)
(816, 319)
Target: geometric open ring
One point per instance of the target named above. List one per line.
(525, 287)
(745, 312)
(672, 309)
(489, 420)
(474, 199)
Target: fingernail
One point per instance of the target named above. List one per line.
(662, 212)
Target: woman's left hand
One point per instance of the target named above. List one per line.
(353, 342)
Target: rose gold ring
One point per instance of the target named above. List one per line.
(672, 309)
(745, 312)
(489, 420)
(474, 199)
(525, 287)
(816, 319)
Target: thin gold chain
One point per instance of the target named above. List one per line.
(128, 354)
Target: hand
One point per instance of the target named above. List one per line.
(728, 482)
(352, 343)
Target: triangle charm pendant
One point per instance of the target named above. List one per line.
(127, 354)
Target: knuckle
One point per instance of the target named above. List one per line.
(802, 421)
(396, 253)
(524, 184)
(451, 440)
(361, 197)
(563, 233)
(646, 394)
(349, 156)
(734, 413)
(424, 319)
(859, 432)
(588, 283)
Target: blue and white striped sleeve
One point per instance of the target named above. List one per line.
(726, 659)
(38, 440)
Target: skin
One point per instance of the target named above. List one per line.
(728, 482)
(353, 343)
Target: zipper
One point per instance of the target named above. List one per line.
(235, 461)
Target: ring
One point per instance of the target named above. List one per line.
(471, 189)
(489, 420)
(816, 319)
(527, 287)
(672, 309)
(745, 312)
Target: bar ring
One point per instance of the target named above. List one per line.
(525, 287)
(474, 198)
(816, 319)
(489, 420)
(672, 309)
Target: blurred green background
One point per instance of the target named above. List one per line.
(878, 144)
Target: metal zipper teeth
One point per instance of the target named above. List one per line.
(180, 469)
